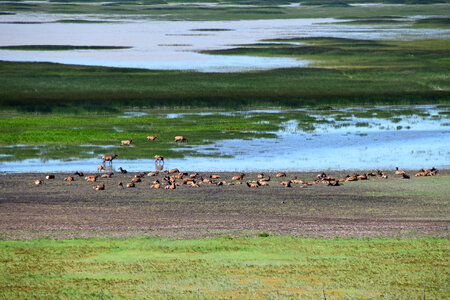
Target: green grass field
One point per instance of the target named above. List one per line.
(271, 267)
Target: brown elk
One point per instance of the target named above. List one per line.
(38, 182)
(286, 183)
(152, 137)
(351, 178)
(251, 184)
(174, 171)
(130, 185)
(126, 142)
(334, 183)
(120, 184)
(100, 168)
(362, 177)
(91, 178)
(109, 158)
(399, 172)
(180, 138)
(238, 177)
(136, 180)
(281, 174)
(81, 174)
(123, 171)
(50, 176)
(170, 186)
(159, 157)
(155, 185)
(99, 187)
(139, 175)
(68, 178)
(260, 175)
(214, 176)
(107, 175)
(263, 183)
(405, 176)
(150, 174)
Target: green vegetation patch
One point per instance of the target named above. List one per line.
(59, 47)
(262, 267)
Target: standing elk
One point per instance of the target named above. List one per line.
(159, 157)
(180, 138)
(126, 142)
(109, 158)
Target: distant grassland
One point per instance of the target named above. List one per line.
(260, 9)
(59, 47)
(223, 267)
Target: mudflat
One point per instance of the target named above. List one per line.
(377, 207)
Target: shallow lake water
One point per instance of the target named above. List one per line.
(173, 45)
(410, 137)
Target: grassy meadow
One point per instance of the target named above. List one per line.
(263, 267)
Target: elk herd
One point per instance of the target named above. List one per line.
(173, 178)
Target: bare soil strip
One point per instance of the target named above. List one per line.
(377, 207)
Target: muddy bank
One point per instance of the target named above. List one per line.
(392, 207)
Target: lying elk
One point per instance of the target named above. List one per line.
(99, 187)
(238, 177)
(152, 137)
(180, 138)
(126, 142)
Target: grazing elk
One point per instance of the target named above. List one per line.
(126, 142)
(152, 137)
(180, 138)
(109, 158)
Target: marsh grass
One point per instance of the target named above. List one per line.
(262, 267)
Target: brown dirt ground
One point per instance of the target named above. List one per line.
(57, 209)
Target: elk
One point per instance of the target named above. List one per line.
(265, 179)
(136, 179)
(38, 182)
(281, 174)
(180, 138)
(108, 158)
(170, 186)
(120, 184)
(252, 184)
(362, 177)
(263, 183)
(286, 183)
(139, 175)
(214, 176)
(123, 171)
(50, 176)
(130, 185)
(174, 171)
(351, 178)
(91, 178)
(238, 177)
(69, 178)
(399, 172)
(155, 185)
(99, 187)
(260, 175)
(108, 175)
(159, 157)
(100, 168)
(334, 183)
(150, 174)
(81, 174)
(152, 137)
(126, 142)
(405, 176)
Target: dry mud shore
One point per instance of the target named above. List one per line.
(377, 207)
